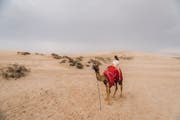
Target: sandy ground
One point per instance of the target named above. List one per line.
(54, 91)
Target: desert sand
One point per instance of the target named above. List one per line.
(54, 91)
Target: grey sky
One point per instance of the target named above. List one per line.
(90, 25)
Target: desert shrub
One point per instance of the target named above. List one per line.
(80, 58)
(69, 58)
(79, 65)
(100, 59)
(66, 57)
(39, 54)
(94, 62)
(75, 62)
(14, 71)
(63, 61)
(23, 53)
(72, 64)
(56, 56)
(72, 60)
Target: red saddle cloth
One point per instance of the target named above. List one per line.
(113, 74)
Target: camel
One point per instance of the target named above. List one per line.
(103, 78)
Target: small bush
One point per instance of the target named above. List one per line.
(63, 61)
(79, 58)
(79, 65)
(75, 62)
(39, 54)
(72, 64)
(94, 62)
(14, 71)
(56, 56)
(23, 53)
(68, 58)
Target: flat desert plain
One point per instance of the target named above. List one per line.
(57, 91)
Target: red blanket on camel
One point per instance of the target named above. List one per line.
(113, 74)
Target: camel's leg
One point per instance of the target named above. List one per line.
(108, 93)
(121, 89)
(116, 88)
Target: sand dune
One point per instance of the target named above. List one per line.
(54, 91)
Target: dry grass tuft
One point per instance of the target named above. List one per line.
(14, 71)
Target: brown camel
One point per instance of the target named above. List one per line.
(103, 78)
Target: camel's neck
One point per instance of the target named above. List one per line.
(99, 76)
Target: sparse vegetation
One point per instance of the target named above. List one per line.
(14, 71)
(56, 56)
(73, 62)
(80, 58)
(123, 57)
(94, 62)
(101, 59)
(79, 65)
(39, 54)
(69, 58)
(23, 53)
(63, 61)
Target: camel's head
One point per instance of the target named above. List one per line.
(116, 57)
(95, 67)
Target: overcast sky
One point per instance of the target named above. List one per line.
(72, 26)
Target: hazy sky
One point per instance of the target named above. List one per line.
(90, 25)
